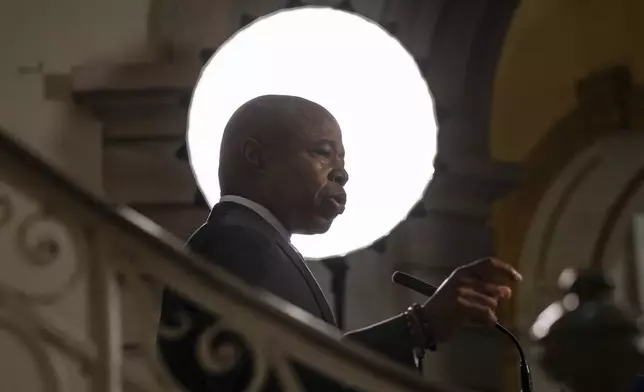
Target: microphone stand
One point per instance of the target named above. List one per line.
(421, 287)
(420, 358)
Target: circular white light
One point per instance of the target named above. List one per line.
(357, 71)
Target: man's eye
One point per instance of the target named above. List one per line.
(324, 153)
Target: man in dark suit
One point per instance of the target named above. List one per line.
(282, 172)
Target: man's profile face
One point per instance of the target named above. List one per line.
(309, 177)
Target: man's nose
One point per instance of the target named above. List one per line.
(339, 175)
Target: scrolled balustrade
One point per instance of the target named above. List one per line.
(71, 267)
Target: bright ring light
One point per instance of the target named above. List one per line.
(357, 71)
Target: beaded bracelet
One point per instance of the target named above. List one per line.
(427, 331)
(419, 329)
(415, 329)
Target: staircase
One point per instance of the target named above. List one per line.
(80, 284)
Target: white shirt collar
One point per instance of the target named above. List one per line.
(259, 210)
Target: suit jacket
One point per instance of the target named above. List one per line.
(246, 245)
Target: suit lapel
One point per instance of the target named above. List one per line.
(291, 253)
(297, 259)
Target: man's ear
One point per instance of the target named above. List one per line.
(253, 154)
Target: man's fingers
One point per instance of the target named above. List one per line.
(493, 271)
(479, 313)
(486, 288)
(474, 296)
(505, 292)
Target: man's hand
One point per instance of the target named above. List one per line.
(469, 295)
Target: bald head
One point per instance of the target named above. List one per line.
(272, 115)
(285, 143)
(271, 121)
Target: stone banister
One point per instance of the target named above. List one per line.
(70, 266)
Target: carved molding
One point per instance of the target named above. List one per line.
(109, 88)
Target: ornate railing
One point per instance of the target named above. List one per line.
(71, 265)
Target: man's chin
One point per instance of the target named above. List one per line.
(319, 225)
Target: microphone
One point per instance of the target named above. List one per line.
(422, 287)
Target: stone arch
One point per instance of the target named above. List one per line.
(563, 82)
(583, 220)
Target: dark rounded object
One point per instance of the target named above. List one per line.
(586, 341)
